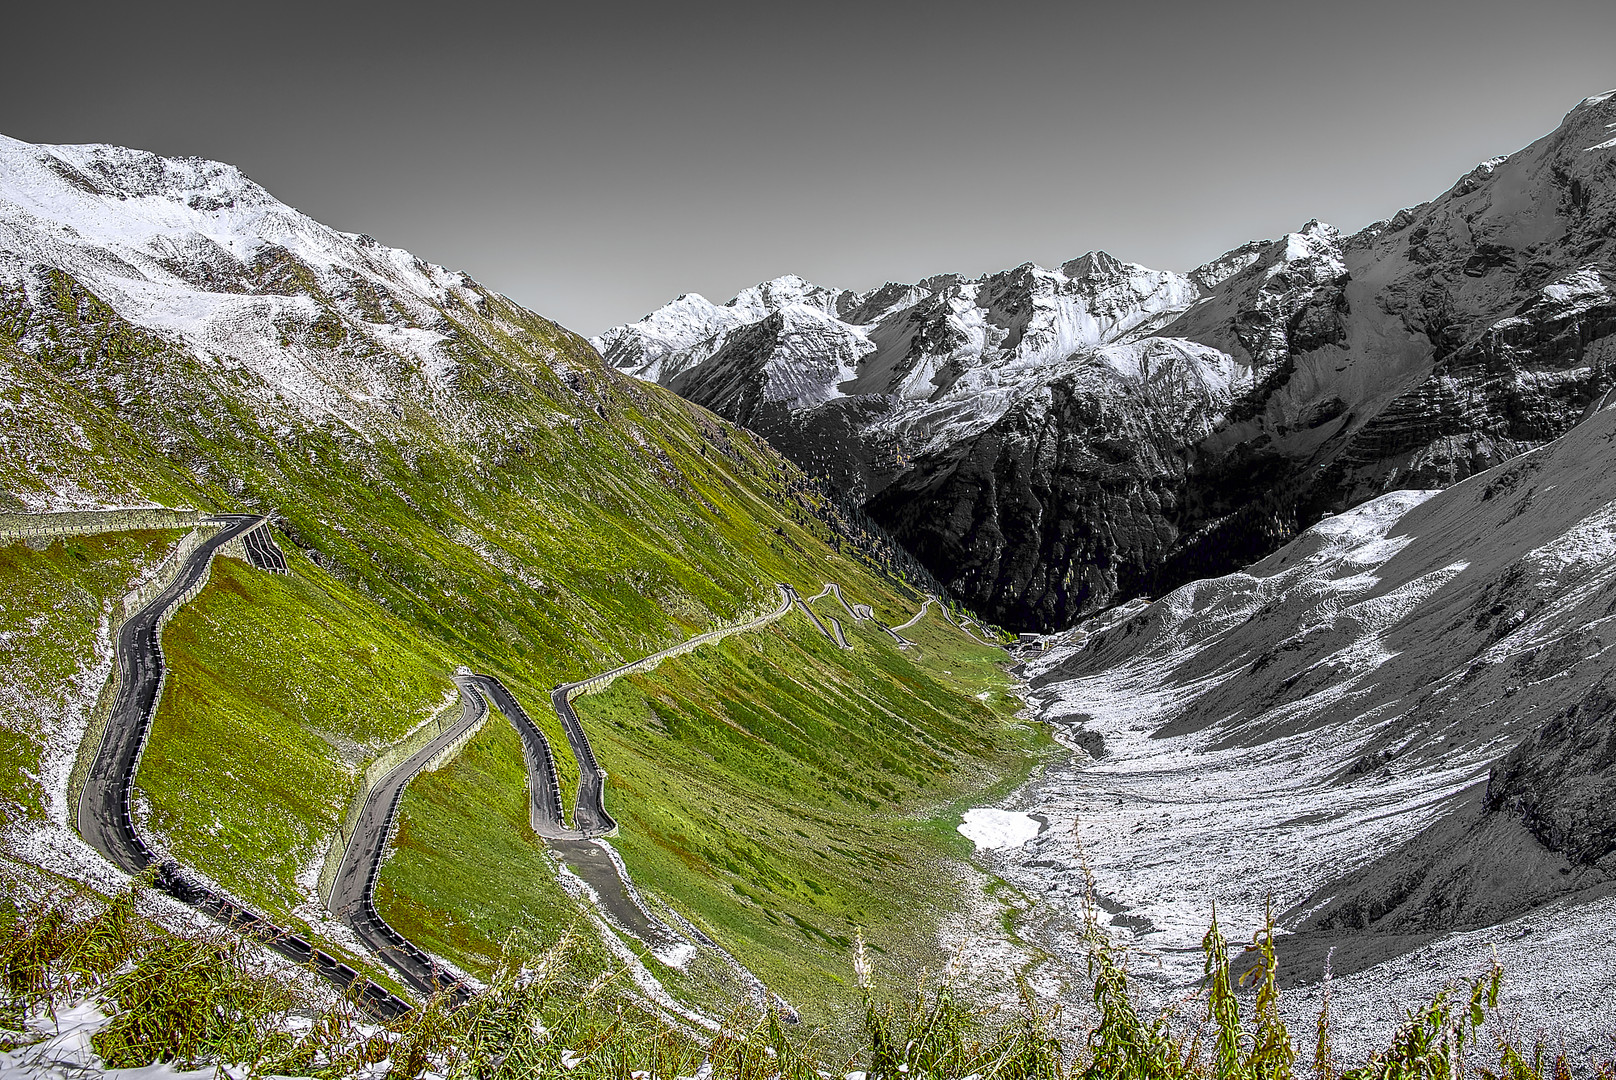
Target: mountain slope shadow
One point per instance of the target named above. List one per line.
(1473, 868)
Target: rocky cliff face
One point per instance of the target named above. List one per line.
(1412, 354)
(1561, 782)
(1395, 728)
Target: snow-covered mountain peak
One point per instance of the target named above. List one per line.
(690, 328)
(195, 251)
(1316, 246)
(1210, 274)
(1096, 264)
(122, 172)
(770, 296)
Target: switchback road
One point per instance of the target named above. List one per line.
(353, 893)
(545, 814)
(103, 813)
(105, 821)
(917, 616)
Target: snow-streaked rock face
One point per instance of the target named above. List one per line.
(334, 324)
(796, 357)
(692, 328)
(1396, 726)
(1412, 354)
(921, 366)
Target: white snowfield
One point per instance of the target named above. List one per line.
(1272, 732)
(990, 828)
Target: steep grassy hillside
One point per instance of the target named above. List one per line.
(780, 791)
(57, 607)
(540, 519)
(280, 689)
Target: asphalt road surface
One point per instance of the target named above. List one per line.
(353, 893)
(808, 611)
(103, 811)
(589, 816)
(930, 600)
(614, 895)
(545, 812)
(857, 614)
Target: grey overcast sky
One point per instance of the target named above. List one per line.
(593, 160)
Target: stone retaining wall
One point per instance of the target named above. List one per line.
(448, 753)
(88, 522)
(379, 767)
(596, 683)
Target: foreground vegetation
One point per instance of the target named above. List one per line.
(557, 1006)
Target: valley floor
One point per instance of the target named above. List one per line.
(1326, 732)
(1166, 835)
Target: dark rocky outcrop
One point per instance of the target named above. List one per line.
(1561, 782)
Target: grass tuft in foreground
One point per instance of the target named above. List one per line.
(557, 1007)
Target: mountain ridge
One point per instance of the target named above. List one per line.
(1453, 335)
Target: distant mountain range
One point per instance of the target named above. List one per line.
(1052, 441)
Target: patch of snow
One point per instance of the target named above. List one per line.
(1580, 289)
(991, 829)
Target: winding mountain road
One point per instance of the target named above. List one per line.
(813, 617)
(546, 813)
(353, 893)
(917, 616)
(866, 613)
(103, 811)
(589, 816)
(578, 846)
(960, 625)
(105, 821)
(948, 616)
(857, 612)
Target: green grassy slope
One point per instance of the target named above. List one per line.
(550, 519)
(56, 612)
(279, 690)
(467, 869)
(785, 792)
(781, 792)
